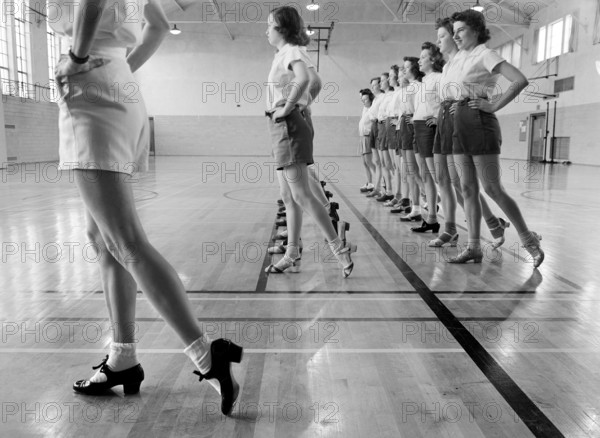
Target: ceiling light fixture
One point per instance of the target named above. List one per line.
(175, 31)
(478, 7)
(312, 6)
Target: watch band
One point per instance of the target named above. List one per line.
(77, 59)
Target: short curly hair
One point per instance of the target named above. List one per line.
(446, 23)
(290, 25)
(414, 67)
(436, 57)
(368, 93)
(475, 21)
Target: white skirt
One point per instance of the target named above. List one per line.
(103, 122)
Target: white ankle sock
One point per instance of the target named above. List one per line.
(335, 244)
(121, 357)
(474, 244)
(199, 352)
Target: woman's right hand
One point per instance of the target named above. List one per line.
(453, 108)
(66, 67)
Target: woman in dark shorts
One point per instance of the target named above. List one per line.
(427, 106)
(446, 173)
(415, 183)
(291, 139)
(477, 132)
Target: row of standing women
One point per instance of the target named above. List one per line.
(434, 115)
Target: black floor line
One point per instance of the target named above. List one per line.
(261, 284)
(537, 422)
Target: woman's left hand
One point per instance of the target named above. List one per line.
(481, 104)
(431, 121)
(279, 115)
(66, 67)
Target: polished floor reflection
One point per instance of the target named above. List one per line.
(407, 346)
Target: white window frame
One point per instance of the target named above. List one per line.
(512, 51)
(549, 45)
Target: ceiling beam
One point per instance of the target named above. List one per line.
(216, 6)
(391, 12)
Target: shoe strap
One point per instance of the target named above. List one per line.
(202, 376)
(101, 364)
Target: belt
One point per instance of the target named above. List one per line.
(269, 114)
(466, 100)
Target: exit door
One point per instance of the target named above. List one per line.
(538, 133)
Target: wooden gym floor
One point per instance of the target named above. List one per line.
(408, 346)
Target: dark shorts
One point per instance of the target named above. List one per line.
(391, 138)
(291, 140)
(373, 135)
(424, 136)
(475, 132)
(397, 141)
(445, 130)
(382, 136)
(407, 133)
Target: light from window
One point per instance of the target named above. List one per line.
(53, 52)
(541, 52)
(555, 39)
(511, 51)
(5, 52)
(22, 50)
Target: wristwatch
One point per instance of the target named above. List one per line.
(77, 59)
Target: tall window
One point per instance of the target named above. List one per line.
(53, 52)
(22, 51)
(511, 51)
(555, 39)
(5, 50)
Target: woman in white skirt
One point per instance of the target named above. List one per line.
(103, 140)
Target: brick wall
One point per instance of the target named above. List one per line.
(31, 129)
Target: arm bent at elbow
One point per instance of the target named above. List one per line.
(154, 32)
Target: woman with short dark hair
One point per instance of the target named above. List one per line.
(477, 132)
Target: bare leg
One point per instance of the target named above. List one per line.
(297, 177)
(428, 176)
(387, 168)
(488, 171)
(315, 185)
(120, 289)
(109, 199)
(397, 176)
(378, 162)
(470, 191)
(413, 171)
(293, 213)
(369, 166)
(404, 177)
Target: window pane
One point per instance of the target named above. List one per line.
(506, 52)
(555, 39)
(516, 52)
(5, 50)
(53, 51)
(541, 52)
(567, 37)
(22, 47)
